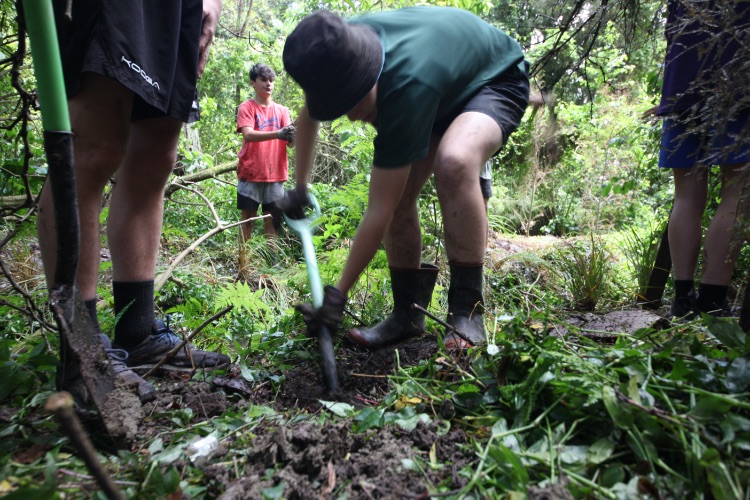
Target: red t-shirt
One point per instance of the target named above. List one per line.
(264, 161)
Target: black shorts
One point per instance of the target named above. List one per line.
(149, 46)
(249, 204)
(504, 99)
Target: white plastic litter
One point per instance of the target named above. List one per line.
(201, 449)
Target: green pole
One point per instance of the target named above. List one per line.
(40, 22)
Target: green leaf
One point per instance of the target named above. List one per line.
(274, 492)
(573, 454)
(623, 417)
(500, 427)
(718, 476)
(709, 409)
(338, 409)
(728, 333)
(601, 450)
(679, 370)
(467, 388)
(156, 446)
(169, 455)
(260, 411)
(613, 475)
(171, 480)
(738, 375)
(369, 418)
(732, 425)
(246, 372)
(520, 473)
(409, 464)
(634, 390)
(410, 423)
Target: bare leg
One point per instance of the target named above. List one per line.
(100, 117)
(269, 228)
(690, 192)
(137, 207)
(470, 140)
(246, 229)
(721, 247)
(403, 241)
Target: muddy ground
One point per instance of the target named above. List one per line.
(326, 460)
(316, 460)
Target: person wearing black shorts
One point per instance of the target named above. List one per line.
(444, 90)
(130, 70)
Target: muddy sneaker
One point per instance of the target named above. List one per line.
(161, 341)
(118, 358)
(683, 309)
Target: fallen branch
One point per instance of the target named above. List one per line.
(171, 354)
(61, 404)
(202, 175)
(163, 277)
(451, 328)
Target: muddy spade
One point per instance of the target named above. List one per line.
(79, 338)
(303, 227)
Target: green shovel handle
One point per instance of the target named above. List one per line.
(40, 23)
(303, 227)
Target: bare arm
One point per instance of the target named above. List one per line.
(305, 139)
(249, 134)
(211, 13)
(386, 188)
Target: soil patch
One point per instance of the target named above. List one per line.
(318, 461)
(363, 377)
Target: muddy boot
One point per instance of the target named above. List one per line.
(409, 286)
(465, 306)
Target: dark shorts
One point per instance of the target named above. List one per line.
(249, 204)
(682, 150)
(486, 186)
(504, 100)
(150, 47)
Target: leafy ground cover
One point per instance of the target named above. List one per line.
(577, 394)
(555, 406)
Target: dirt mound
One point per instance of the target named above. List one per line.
(316, 461)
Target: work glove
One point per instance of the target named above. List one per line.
(286, 133)
(329, 314)
(294, 202)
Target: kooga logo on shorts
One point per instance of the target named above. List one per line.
(140, 71)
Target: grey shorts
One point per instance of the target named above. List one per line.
(485, 180)
(252, 195)
(262, 193)
(150, 47)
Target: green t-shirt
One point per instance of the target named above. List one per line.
(436, 58)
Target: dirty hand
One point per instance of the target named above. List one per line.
(294, 202)
(286, 133)
(329, 314)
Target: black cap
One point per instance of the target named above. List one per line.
(335, 63)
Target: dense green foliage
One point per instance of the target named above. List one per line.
(653, 414)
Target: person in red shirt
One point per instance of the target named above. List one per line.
(263, 164)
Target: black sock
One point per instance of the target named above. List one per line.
(91, 308)
(711, 297)
(682, 288)
(134, 303)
